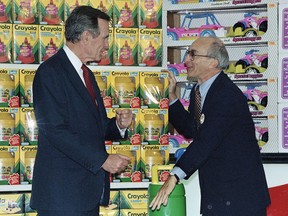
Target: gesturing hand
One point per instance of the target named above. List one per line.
(115, 163)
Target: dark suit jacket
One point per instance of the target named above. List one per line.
(224, 150)
(71, 150)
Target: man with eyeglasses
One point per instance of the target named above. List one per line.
(224, 149)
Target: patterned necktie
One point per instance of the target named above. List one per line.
(197, 105)
(88, 84)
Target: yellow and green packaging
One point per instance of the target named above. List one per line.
(154, 90)
(129, 212)
(51, 39)
(134, 199)
(103, 211)
(6, 11)
(26, 84)
(27, 161)
(9, 88)
(51, 12)
(26, 44)
(28, 126)
(150, 47)
(27, 198)
(125, 13)
(9, 127)
(11, 204)
(126, 46)
(70, 5)
(105, 6)
(6, 37)
(150, 15)
(26, 11)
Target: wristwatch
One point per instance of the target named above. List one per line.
(177, 178)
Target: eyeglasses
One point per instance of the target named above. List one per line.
(192, 54)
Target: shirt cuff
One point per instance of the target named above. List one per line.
(179, 172)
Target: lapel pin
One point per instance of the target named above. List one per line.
(202, 118)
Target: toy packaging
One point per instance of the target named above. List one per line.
(104, 5)
(26, 46)
(26, 90)
(27, 197)
(11, 204)
(128, 212)
(26, 11)
(134, 199)
(125, 13)
(126, 46)
(9, 127)
(9, 160)
(51, 39)
(28, 127)
(6, 36)
(51, 12)
(9, 88)
(27, 160)
(71, 4)
(132, 172)
(150, 47)
(6, 11)
(154, 90)
(150, 15)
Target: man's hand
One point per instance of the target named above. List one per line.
(116, 163)
(172, 86)
(163, 194)
(124, 118)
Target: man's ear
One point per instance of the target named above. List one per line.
(213, 63)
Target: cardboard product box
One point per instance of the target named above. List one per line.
(134, 199)
(283, 77)
(51, 39)
(11, 204)
(6, 38)
(26, 12)
(283, 127)
(26, 44)
(28, 127)
(125, 13)
(150, 47)
(283, 26)
(27, 160)
(114, 202)
(150, 15)
(105, 6)
(70, 6)
(26, 87)
(28, 209)
(108, 212)
(6, 11)
(9, 160)
(9, 127)
(9, 88)
(51, 12)
(128, 212)
(132, 173)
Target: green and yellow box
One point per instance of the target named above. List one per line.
(51, 39)
(26, 44)
(6, 11)
(26, 12)
(9, 126)
(28, 127)
(125, 46)
(150, 47)
(134, 199)
(154, 90)
(70, 5)
(129, 212)
(26, 87)
(125, 13)
(14, 214)
(11, 204)
(27, 198)
(132, 173)
(108, 212)
(154, 155)
(125, 89)
(31, 214)
(27, 160)
(9, 88)
(51, 12)
(105, 6)
(114, 202)
(6, 37)
(150, 15)
(154, 126)
(103, 80)
(9, 160)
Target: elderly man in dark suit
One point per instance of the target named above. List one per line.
(224, 148)
(71, 173)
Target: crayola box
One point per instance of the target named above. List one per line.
(103, 81)
(14, 214)
(134, 199)
(28, 209)
(9, 127)
(26, 46)
(133, 130)
(6, 11)
(154, 126)
(11, 204)
(9, 88)
(154, 155)
(128, 212)
(51, 12)
(9, 160)
(114, 202)
(132, 172)
(26, 11)
(154, 90)
(27, 160)
(5, 43)
(51, 39)
(105, 6)
(31, 214)
(26, 90)
(125, 46)
(125, 13)
(108, 212)
(71, 4)
(28, 127)
(150, 15)
(150, 47)
(125, 89)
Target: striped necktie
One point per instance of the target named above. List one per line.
(197, 105)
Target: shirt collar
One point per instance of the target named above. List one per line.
(75, 61)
